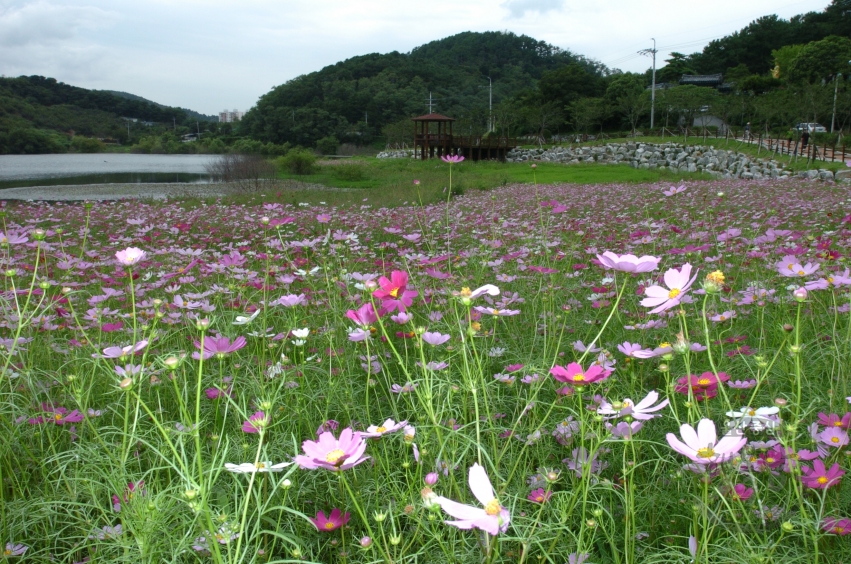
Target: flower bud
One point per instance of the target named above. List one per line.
(714, 282)
(365, 542)
(171, 362)
(788, 526)
(788, 327)
(800, 294)
(39, 234)
(780, 402)
(202, 324)
(431, 478)
(286, 484)
(190, 494)
(126, 384)
(379, 517)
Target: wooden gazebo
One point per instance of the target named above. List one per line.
(429, 144)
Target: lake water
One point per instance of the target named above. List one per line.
(101, 168)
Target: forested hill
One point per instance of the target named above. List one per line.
(190, 114)
(359, 97)
(749, 50)
(38, 114)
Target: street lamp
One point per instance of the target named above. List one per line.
(490, 104)
(835, 92)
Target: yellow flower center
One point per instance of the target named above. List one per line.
(830, 279)
(673, 293)
(495, 311)
(770, 459)
(465, 292)
(822, 480)
(539, 498)
(834, 439)
(334, 456)
(329, 525)
(722, 318)
(664, 345)
(380, 429)
(579, 377)
(837, 423)
(58, 416)
(706, 452)
(626, 404)
(791, 265)
(493, 507)
(801, 273)
(394, 292)
(752, 412)
(717, 277)
(703, 382)
(260, 465)
(792, 456)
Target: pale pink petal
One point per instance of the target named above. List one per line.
(459, 510)
(690, 437)
(706, 434)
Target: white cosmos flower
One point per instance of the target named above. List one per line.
(251, 468)
(243, 320)
(757, 419)
(301, 333)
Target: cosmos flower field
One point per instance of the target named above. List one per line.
(598, 374)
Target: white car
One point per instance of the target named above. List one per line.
(811, 127)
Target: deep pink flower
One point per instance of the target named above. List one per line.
(741, 492)
(330, 523)
(256, 423)
(574, 374)
(333, 454)
(837, 526)
(132, 489)
(820, 478)
(834, 420)
(493, 519)
(539, 496)
(452, 158)
(364, 316)
(394, 293)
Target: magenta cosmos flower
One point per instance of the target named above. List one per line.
(576, 375)
(677, 282)
(394, 293)
(837, 526)
(256, 423)
(452, 158)
(333, 454)
(702, 445)
(330, 523)
(820, 478)
(628, 263)
(130, 256)
(218, 345)
(493, 519)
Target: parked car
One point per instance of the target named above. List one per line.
(812, 127)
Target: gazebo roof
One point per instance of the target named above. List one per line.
(432, 117)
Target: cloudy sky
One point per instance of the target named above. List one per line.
(208, 55)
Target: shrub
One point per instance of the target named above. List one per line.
(328, 145)
(350, 172)
(81, 144)
(299, 161)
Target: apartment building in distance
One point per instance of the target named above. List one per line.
(228, 116)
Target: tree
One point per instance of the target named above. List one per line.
(689, 100)
(783, 58)
(541, 117)
(627, 95)
(569, 83)
(820, 60)
(586, 112)
(677, 66)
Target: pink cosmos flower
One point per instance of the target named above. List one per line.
(435, 339)
(678, 283)
(330, 523)
(791, 268)
(13, 549)
(834, 420)
(218, 345)
(256, 423)
(539, 496)
(574, 374)
(497, 312)
(123, 352)
(820, 478)
(389, 426)
(643, 410)
(834, 437)
(702, 445)
(333, 454)
(674, 190)
(394, 293)
(130, 256)
(290, 300)
(630, 349)
(837, 526)
(452, 158)
(364, 316)
(741, 492)
(628, 263)
(132, 489)
(493, 519)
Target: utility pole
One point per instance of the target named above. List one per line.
(652, 52)
(366, 118)
(490, 104)
(835, 91)
(430, 103)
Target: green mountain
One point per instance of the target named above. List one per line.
(40, 115)
(190, 114)
(358, 98)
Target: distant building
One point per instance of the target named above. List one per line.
(228, 116)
